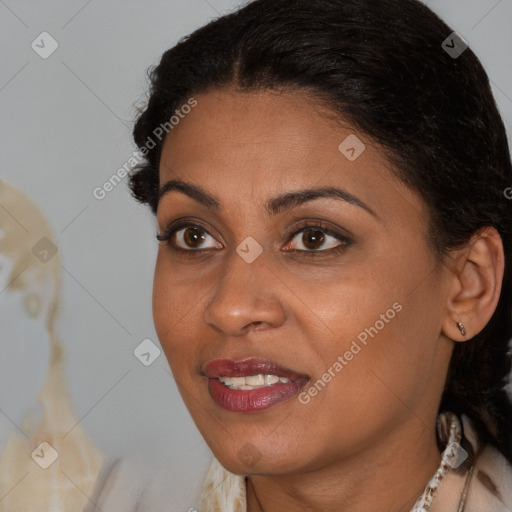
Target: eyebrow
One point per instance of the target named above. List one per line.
(273, 206)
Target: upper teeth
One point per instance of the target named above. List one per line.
(252, 381)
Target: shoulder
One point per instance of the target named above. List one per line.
(491, 484)
(479, 482)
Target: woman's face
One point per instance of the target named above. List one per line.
(340, 292)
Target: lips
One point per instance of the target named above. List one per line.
(251, 400)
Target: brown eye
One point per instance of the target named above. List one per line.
(193, 237)
(188, 238)
(312, 238)
(316, 239)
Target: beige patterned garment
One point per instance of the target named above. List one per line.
(459, 485)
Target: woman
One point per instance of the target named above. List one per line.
(332, 289)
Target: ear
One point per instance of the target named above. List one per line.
(476, 276)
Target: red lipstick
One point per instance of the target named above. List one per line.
(276, 384)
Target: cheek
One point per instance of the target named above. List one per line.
(170, 294)
(161, 301)
(177, 313)
(385, 326)
(392, 364)
(168, 307)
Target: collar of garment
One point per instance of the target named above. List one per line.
(462, 482)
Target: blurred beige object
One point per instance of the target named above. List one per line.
(71, 460)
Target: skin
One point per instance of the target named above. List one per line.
(373, 425)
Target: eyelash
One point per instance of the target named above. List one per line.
(319, 225)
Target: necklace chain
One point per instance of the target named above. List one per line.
(461, 507)
(462, 504)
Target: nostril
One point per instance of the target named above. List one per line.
(255, 324)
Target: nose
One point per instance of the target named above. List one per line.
(246, 297)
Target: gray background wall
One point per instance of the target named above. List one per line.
(65, 129)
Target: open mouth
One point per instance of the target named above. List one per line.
(253, 381)
(251, 385)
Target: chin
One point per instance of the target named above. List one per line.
(250, 457)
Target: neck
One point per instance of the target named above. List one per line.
(389, 477)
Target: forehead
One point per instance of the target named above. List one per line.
(268, 142)
(265, 128)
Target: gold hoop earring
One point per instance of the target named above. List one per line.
(460, 325)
